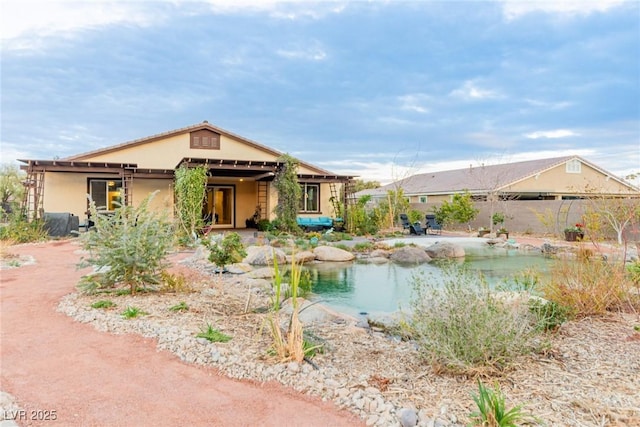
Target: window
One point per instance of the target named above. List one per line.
(573, 166)
(423, 199)
(310, 198)
(106, 193)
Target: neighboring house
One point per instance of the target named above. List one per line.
(241, 174)
(559, 178)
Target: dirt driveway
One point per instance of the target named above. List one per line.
(90, 378)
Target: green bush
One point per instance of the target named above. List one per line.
(549, 314)
(225, 249)
(130, 247)
(19, 230)
(264, 225)
(461, 326)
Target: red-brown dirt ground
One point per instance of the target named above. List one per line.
(92, 378)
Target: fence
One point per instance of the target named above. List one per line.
(544, 217)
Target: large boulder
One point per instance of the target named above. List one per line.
(330, 253)
(301, 257)
(441, 250)
(410, 255)
(264, 255)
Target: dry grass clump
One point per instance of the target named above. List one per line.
(591, 286)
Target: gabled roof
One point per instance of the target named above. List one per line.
(199, 126)
(480, 179)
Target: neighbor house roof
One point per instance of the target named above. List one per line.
(479, 179)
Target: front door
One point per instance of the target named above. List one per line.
(220, 205)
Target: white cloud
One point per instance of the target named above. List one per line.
(307, 53)
(560, 105)
(25, 22)
(551, 134)
(513, 9)
(470, 91)
(414, 103)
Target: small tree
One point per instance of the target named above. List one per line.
(460, 210)
(616, 213)
(360, 220)
(11, 188)
(225, 250)
(131, 246)
(289, 193)
(190, 188)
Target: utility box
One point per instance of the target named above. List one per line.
(60, 224)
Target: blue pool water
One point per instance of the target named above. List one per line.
(356, 287)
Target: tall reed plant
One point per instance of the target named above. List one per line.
(288, 345)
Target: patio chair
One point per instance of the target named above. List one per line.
(406, 225)
(432, 226)
(414, 228)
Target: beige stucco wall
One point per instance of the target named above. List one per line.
(557, 180)
(67, 192)
(167, 153)
(163, 200)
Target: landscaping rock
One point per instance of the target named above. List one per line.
(264, 255)
(261, 273)
(330, 253)
(301, 257)
(441, 250)
(380, 253)
(410, 255)
(408, 417)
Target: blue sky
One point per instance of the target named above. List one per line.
(379, 89)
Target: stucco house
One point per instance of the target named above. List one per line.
(241, 174)
(559, 178)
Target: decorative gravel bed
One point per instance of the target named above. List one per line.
(589, 376)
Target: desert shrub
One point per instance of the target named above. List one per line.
(549, 314)
(336, 236)
(363, 247)
(19, 230)
(129, 247)
(174, 283)
(461, 326)
(633, 269)
(590, 285)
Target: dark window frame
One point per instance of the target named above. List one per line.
(104, 203)
(304, 201)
